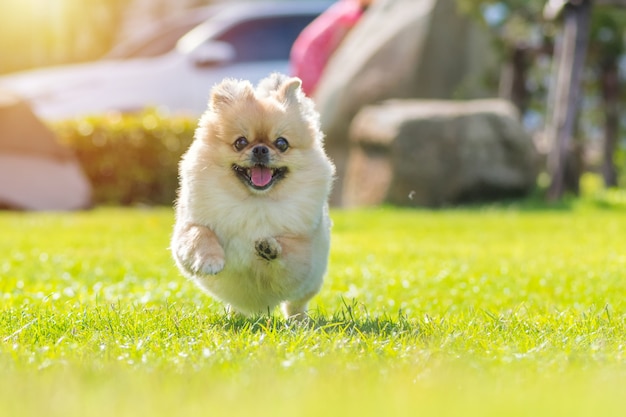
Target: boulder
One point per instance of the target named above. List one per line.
(400, 49)
(435, 153)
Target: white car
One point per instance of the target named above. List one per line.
(241, 40)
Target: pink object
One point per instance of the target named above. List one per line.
(38, 182)
(317, 42)
(36, 172)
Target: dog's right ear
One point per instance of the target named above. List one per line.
(229, 91)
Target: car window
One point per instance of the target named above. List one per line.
(265, 39)
(161, 37)
(159, 44)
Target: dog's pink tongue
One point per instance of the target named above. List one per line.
(260, 176)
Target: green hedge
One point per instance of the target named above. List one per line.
(130, 159)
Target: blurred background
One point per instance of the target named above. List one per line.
(49, 32)
(165, 54)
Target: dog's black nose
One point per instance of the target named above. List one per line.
(260, 154)
(260, 150)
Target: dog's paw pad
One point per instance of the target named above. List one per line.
(268, 249)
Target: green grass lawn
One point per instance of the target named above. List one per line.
(474, 312)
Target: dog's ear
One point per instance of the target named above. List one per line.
(276, 85)
(291, 90)
(229, 91)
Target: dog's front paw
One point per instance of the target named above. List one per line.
(268, 249)
(202, 261)
(207, 263)
(197, 250)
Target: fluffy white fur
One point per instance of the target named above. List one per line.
(224, 226)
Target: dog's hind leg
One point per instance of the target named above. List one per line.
(296, 310)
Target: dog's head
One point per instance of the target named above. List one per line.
(263, 136)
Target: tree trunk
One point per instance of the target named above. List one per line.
(569, 59)
(610, 98)
(513, 78)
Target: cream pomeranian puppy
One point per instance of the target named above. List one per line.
(252, 226)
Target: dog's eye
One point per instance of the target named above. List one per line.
(240, 143)
(281, 144)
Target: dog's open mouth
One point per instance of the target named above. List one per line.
(259, 177)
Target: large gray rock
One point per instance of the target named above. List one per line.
(435, 153)
(401, 49)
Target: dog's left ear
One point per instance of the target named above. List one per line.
(291, 90)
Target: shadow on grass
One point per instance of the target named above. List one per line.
(592, 194)
(609, 201)
(351, 319)
(534, 202)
